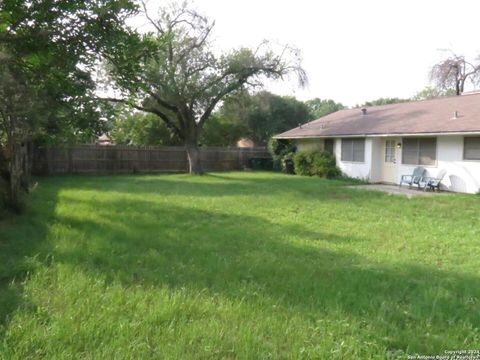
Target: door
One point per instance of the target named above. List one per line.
(389, 159)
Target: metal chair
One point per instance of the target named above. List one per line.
(433, 183)
(415, 178)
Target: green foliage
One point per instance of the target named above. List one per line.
(261, 164)
(302, 161)
(281, 150)
(316, 163)
(221, 131)
(50, 48)
(432, 93)
(265, 114)
(281, 147)
(142, 129)
(319, 107)
(385, 101)
(236, 266)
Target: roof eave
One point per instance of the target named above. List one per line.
(443, 133)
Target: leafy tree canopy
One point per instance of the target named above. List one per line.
(222, 131)
(431, 93)
(142, 129)
(51, 48)
(265, 114)
(48, 50)
(384, 101)
(319, 107)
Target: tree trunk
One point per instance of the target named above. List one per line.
(461, 87)
(15, 170)
(194, 162)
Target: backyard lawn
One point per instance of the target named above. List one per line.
(236, 266)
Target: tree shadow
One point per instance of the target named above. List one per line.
(23, 250)
(251, 259)
(140, 240)
(217, 185)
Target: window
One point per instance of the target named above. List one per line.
(471, 148)
(353, 150)
(328, 145)
(419, 151)
(390, 151)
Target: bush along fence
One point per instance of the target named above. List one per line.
(99, 159)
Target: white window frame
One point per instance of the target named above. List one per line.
(435, 162)
(469, 137)
(353, 139)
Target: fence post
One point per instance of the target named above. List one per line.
(68, 154)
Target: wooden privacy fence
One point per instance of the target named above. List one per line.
(98, 159)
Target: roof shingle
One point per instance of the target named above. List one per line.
(416, 117)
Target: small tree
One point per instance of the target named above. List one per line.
(183, 81)
(453, 72)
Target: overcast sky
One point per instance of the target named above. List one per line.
(353, 50)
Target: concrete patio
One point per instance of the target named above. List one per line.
(396, 190)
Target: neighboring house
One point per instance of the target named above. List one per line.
(104, 140)
(381, 143)
(245, 143)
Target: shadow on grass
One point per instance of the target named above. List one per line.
(143, 242)
(217, 185)
(23, 248)
(247, 258)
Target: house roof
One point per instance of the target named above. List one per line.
(434, 116)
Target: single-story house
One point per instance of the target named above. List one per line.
(382, 143)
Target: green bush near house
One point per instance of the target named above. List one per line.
(316, 163)
(303, 163)
(281, 150)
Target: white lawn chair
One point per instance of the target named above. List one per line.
(432, 183)
(415, 178)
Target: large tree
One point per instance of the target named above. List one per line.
(48, 50)
(453, 72)
(184, 80)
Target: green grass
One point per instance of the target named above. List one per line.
(236, 266)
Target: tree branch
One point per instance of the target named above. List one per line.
(153, 22)
(157, 112)
(162, 102)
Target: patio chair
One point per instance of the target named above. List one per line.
(415, 178)
(432, 183)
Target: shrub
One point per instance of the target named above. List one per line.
(325, 165)
(322, 164)
(260, 163)
(302, 162)
(281, 150)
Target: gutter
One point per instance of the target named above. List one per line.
(379, 135)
